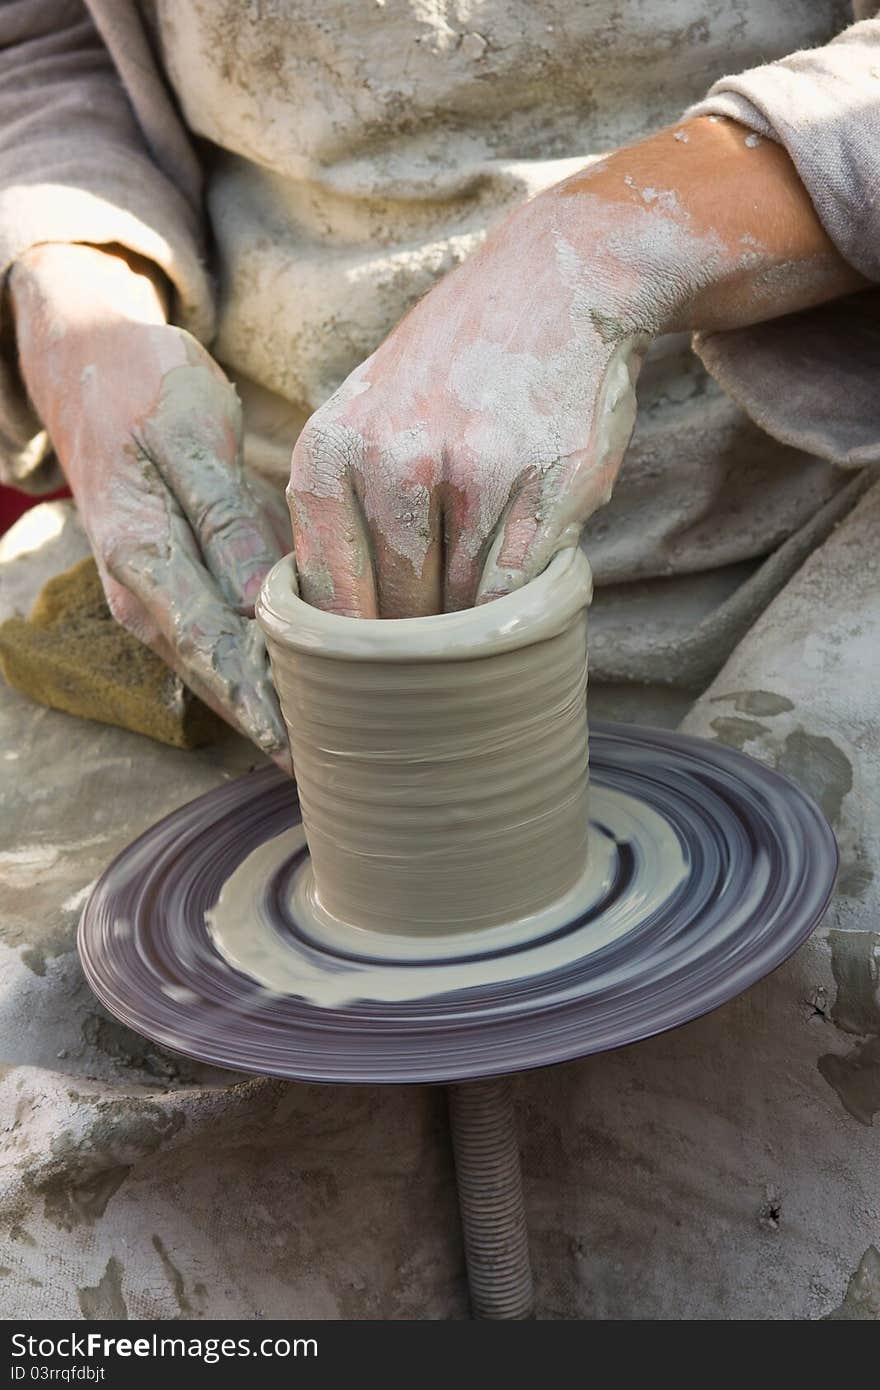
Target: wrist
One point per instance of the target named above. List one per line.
(634, 268)
(77, 308)
(638, 220)
(87, 284)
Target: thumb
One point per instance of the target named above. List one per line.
(550, 508)
(522, 547)
(194, 441)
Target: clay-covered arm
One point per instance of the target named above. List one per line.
(492, 422)
(739, 240)
(76, 166)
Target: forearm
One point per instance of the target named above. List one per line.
(66, 301)
(75, 168)
(719, 222)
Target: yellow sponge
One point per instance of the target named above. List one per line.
(73, 655)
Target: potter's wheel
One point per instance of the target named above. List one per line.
(707, 871)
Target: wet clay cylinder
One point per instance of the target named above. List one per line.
(442, 761)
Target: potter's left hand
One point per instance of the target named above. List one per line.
(477, 439)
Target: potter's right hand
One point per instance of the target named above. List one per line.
(148, 431)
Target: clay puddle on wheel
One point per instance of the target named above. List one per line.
(314, 959)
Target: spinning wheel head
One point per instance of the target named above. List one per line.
(707, 871)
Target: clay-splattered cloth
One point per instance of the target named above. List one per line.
(727, 1170)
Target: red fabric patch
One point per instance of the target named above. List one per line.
(14, 504)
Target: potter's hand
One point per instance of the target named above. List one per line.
(471, 446)
(474, 443)
(148, 432)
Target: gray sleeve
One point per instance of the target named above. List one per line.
(75, 165)
(810, 379)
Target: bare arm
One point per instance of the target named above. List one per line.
(492, 422)
(757, 247)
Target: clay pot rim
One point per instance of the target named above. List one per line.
(537, 611)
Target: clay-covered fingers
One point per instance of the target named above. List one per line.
(331, 544)
(334, 561)
(193, 439)
(404, 509)
(540, 519)
(368, 532)
(550, 502)
(398, 512)
(218, 652)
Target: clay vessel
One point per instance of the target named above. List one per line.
(441, 762)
